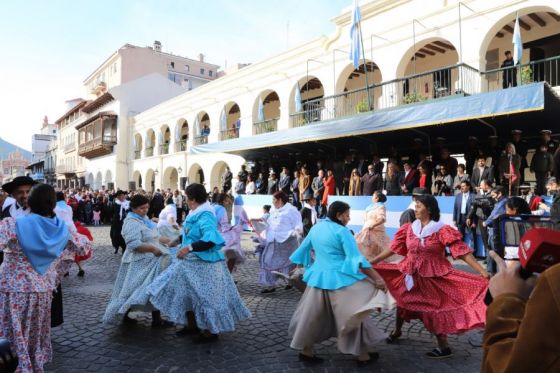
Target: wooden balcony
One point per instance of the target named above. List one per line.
(97, 147)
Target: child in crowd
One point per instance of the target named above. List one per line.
(96, 215)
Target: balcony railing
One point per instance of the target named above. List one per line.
(546, 70)
(137, 154)
(181, 146)
(164, 149)
(149, 151)
(97, 147)
(231, 133)
(200, 140)
(65, 169)
(434, 84)
(269, 125)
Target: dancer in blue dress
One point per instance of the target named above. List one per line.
(198, 289)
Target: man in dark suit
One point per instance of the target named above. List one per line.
(462, 206)
(409, 179)
(372, 181)
(120, 209)
(284, 181)
(481, 172)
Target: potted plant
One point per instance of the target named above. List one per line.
(412, 97)
(526, 75)
(362, 106)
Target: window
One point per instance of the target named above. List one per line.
(210, 72)
(201, 71)
(172, 64)
(115, 67)
(187, 68)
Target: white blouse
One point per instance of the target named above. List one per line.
(170, 211)
(250, 188)
(283, 223)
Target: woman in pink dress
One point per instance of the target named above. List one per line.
(425, 284)
(372, 239)
(38, 251)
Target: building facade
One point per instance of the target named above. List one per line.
(94, 139)
(14, 165)
(415, 52)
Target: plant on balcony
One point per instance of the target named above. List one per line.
(362, 106)
(412, 97)
(526, 75)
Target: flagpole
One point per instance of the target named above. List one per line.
(510, 173)
(370, 106)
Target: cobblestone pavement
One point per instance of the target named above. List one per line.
(260, 344)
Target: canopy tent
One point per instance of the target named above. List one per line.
(531, 107)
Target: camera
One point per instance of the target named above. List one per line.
(485, 203)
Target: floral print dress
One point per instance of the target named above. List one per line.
(25, 297)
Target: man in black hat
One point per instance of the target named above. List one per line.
(521, 148)
(18, 189)
(120, 209)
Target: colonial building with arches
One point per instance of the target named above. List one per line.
(426, 63)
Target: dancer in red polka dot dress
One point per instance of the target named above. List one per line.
(425, 284)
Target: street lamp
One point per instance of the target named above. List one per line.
(156, 172)
(180, 170)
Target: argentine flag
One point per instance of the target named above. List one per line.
(355, 47)
(517, 43)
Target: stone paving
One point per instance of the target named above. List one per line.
(261, 344)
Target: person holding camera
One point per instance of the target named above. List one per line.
(522, 326)
(499, 196)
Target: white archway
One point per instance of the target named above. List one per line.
(98, 181)
(216, 174)
(150, 181)
(137, 178)
(170, 179)
(196, 175)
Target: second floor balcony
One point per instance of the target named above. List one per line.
(164, 149)
(229, 134)
(181, 146)
(149, 151)
(200, 140)
(97, 136)
(69, 147)
(98, 146)
(65, 169)
(266, 126)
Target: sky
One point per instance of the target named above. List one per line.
(49, 47)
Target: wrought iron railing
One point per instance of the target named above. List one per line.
(181, 146)
(269, 125)
(149, 151)
(458, 79)
(137, 154)
(545, 70)
(164, 149)
(200, 140)
(229, 134)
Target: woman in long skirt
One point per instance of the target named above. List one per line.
(231, 234)
(198, 289)
(144, 259)
(284, 229)
(425, 284)
(341, 292)
(38, 250)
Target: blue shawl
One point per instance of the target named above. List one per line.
(144, 219)
(41, 239)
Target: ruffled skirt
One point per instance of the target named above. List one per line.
(276, 257)
(345, 313)
(449, 304)
(205, 288)
(130, 289)
(232, 249)
(372, 242)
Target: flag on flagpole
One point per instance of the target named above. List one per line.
(356, 46)
(298, 99)
(517, 43)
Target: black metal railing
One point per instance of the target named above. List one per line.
(269, 125)
(149, 151)
(545, 70)
(232, 133)
(200, 140)
(164, 149)
(181, 146)
(458, 79)
(137, 154)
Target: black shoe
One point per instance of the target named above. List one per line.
(373, 357)
(187, 331)
(81, 273)
(288, 287)
(266, 291)
(393, 338)
(116, 250)
(310, 359)
(129, 321)
(438, 353)
(162, 324)
(203, 338)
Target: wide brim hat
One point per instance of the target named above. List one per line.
(119, 192)
(17, 182)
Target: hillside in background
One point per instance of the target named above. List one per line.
(7, 148)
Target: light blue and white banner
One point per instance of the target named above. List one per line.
(395, 206)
